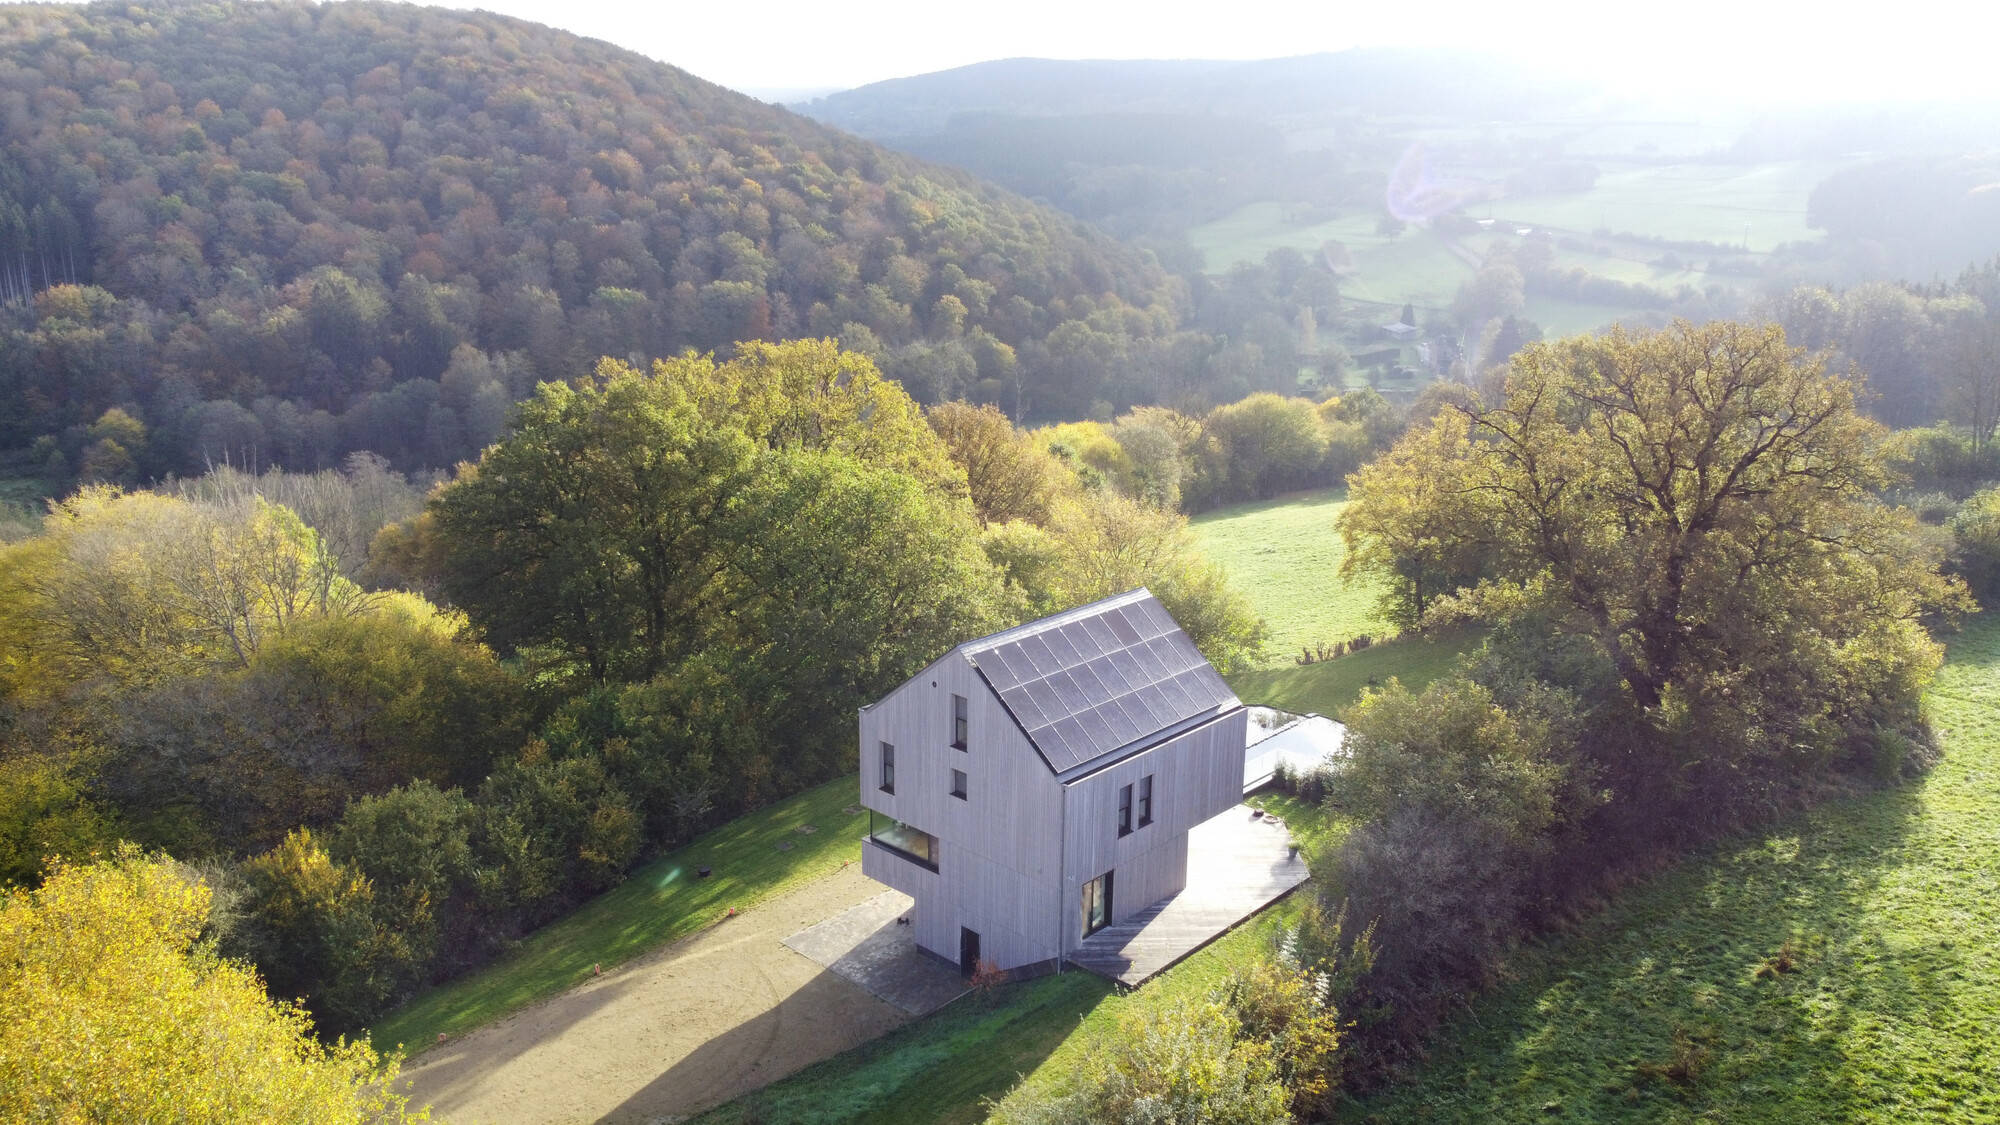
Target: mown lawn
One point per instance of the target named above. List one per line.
(1329, 687)
(1890, 1011)
(941, 1068)
(1284, 556)
(658, 903)
(948, 1066)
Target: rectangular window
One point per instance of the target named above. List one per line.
(958, 784)
(912, 844)
(958, 722)
(888, 768)
(1145, 800)
(1125, 810)
(1097, 904)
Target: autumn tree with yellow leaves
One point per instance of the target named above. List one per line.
(115, 1009)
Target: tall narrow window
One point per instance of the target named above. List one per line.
(1125, 810)
(958, 724)
(1097, 904)
(888, 768)
(958, 784)
(1145, 800)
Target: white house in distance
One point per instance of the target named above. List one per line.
(1034, 787)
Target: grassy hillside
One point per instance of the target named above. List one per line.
(1285, 557)
(658, 903)
(1330, 686)
(1891, 906)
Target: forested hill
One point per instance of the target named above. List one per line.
(285, 232)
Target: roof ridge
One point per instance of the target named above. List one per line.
(1054, 620)
(1089, 684)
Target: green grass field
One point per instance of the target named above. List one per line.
(1411, 266)
(941, 1068)
(658, 903)
(1284, 556)
(1756, 206)
(1689, 202)
(1891, 1012)
(1329, 687)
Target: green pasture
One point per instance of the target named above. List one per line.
(1284, 556)
(1753, 206)
(1411, 266)
(1686, 202)
(657, 903)
(939, 1069)
(1330, 687)
(1673, 1005)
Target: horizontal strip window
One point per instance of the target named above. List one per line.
(915, 845)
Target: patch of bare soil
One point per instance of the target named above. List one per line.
(701, 1021)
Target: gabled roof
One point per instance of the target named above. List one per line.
(1102, 680)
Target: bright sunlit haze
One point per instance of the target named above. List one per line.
(1766, 51)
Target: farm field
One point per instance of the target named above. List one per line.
(657, 903)
(1411, 266)
(1890, 903)
(1284, 555)
(1754, 206)
(1687, 202)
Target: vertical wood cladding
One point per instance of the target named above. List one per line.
(1014, 853)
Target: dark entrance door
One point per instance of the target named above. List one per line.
(968, 951)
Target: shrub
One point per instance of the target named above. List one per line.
(113, 1009)
(313, 926)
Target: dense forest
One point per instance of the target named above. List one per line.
(274, 234)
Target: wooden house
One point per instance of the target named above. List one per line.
(1030, 788)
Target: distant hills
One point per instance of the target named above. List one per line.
(1299, 89)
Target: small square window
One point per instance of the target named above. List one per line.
(888, 768)
(958, 784)
(1145, 800)
(1125, 810)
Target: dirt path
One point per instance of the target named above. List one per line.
(679, 1030)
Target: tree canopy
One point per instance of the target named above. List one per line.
(275, 232)
(114, 1009)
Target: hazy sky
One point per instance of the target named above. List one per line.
(1831, 48)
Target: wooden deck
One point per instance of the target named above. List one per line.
(1237, 866)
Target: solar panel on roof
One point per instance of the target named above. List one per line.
(1037, 652)
(1108, 675)
(1101, 678)
(1086, 645)
(1059, 647)
(1120, 627)
(1127, 666)
(1066, 689)
(1150, 668)
(1022, 704)
(1046, 700)
(1087, 681)
(997, 669)
(1100, 634)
